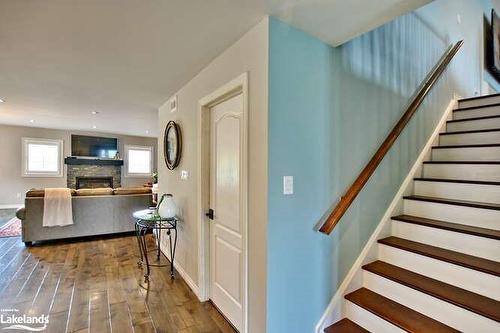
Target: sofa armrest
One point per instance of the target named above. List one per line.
(21, 213)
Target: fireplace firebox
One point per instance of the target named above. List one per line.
(94, 182)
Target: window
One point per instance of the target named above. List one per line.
(42, 158)
(139, 161)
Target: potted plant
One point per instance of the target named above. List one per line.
(154, 179)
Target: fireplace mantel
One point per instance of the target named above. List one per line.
(91, 161)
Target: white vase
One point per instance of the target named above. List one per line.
(166, 207)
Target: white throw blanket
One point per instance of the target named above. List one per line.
(57, 208)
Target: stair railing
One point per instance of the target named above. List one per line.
(356, 187)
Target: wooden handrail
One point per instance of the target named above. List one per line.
(356, 187)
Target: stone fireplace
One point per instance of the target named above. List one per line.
(92, 176)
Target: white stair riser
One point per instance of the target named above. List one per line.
(485, 218)
(486, 172)
(430, 306)
(466, 154)
(471, 125)
(474, 113)
(470, 138)
(462, 277)
(368, 320)
(455, 241)
(479, 101)
(458, 191)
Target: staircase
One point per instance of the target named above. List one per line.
(439, 271)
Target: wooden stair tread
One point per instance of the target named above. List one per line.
(462, 228)
(395, 313)
(478, 145)
(453, 257)
(471, 119)
(460, 181)
(345, 326)
(465, 203)
(467, 108)
(465, 299)
(462, 162)
(478, 97)
(471, 131)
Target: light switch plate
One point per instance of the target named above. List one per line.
(287, 185)
(184, 174)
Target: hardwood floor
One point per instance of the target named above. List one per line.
(6, 215)
(93, 286)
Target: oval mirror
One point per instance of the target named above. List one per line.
(172, 145)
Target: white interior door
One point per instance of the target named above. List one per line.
(227, 267)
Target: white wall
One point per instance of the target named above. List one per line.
(249, 54)
(13, 186)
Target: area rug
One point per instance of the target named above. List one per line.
(11, 228)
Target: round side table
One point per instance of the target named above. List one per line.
(149, 220)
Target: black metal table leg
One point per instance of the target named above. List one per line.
(172, 250)
(158, 238)
(145, 251)
(138, 236)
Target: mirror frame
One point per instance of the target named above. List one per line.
(172, 126)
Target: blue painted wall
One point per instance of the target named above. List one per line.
(329, 109)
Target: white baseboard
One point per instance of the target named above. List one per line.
(189, 281)
(353, 279)
(11, 206)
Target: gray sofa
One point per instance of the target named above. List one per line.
(92, 215)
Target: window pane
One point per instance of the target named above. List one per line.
(43, 158)
(139, 161)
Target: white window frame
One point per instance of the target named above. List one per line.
(138, 175)
(26, 172)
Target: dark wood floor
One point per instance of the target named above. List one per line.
(93, 286)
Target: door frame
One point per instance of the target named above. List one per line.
(237, 86)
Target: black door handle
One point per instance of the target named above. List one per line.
(210, 214)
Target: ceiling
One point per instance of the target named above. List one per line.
(337, 21)
(61, 60)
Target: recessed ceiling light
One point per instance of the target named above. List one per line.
(32, 120)
(95, 112)
(2, 100)
(94, 126)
